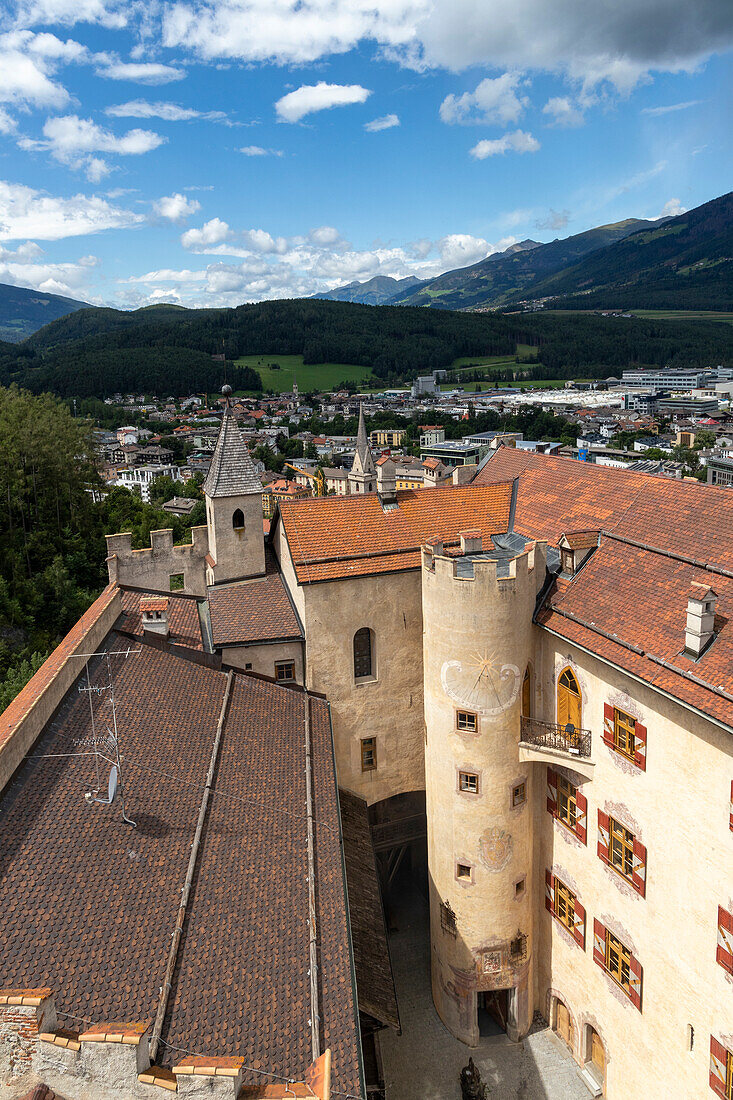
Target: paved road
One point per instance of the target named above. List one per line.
(424, 1062)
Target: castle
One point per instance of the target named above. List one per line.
(530, 678)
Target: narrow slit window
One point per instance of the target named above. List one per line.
(362, 653)
(368, 754)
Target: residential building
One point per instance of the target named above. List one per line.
(456, 452)
(720, 470)
(387, 437)
(138, 478)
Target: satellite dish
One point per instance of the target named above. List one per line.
(112, 784)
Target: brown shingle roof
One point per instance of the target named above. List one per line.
(353, 536)
(231, 472)
(183, 616)
(561, 494)
(253, 611)
(106, 896)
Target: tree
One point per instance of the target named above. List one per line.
(311, 450)
(704, 439)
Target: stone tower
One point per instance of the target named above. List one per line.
(477, 614)
(363, 476)
(233, 495)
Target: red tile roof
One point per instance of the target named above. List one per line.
(562, 494)
(629, 605)
(252, 611)
(354, 537)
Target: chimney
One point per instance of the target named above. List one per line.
(471, 542)
(154, 612)
(387, 480)
(700, 627)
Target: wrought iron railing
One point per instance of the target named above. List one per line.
(548, 735)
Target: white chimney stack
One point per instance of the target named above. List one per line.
(154, 612)
(700, 627)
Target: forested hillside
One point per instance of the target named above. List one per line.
(23, 311)
(172, 353)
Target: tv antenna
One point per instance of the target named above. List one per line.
(109, 744)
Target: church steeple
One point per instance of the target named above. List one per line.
(363, 476)
(233, 495)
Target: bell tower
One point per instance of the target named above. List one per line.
(233, 495)
(363, 475)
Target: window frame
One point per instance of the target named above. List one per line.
(520, 786)
(728, 1074)
(363, 632)
(463, 774)
(467, 728)
(624, 722)
(613, 943)
(566, 919)
(279, 666)
(463, 863)
(368, 745)
(572, 800)
(625, 840)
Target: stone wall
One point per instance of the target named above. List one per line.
(153, 567)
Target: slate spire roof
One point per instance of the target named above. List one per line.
(232, 472)
(363, 461)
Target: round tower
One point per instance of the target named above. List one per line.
(477, 642)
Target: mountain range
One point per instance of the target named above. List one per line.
(23, 311)
(374, 292)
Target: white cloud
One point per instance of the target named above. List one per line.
(168, 275)
(259, 151)
(7, 122)
(563, 112)
(385, 123)
(493, 101)
(26, 213)
(28, 63)
(21, 268)
(109, 13)
(325, 235)
(620, 45)
(670, 107)
(211, 233)
(516, 142)
(554, 219)
(141, 72)
(169, 112)
(672, 209)
(176, 207)
(72, 141)
(318, 97)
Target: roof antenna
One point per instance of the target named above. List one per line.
(111, 743)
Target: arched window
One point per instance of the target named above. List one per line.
(363, 653)
(238, 520)
(527, 695)
(568, 700)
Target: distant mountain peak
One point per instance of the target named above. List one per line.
(374, 292)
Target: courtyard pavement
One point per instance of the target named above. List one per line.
(425, 1061)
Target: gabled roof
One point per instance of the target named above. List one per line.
(252, 611)
(232, 471)
(336, 537)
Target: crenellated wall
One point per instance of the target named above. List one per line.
(478, 641)
(154, 566)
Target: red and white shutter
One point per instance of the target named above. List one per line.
(581, 818)
(724, 954)
(579, 927)
(551, 792)
(599, 943)
(604, 832)
(640, 746)
(638, 868)
(635, 976)
(731, 804)
(718, 1056)
(608, 724)
(549, 891)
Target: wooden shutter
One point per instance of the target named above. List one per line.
(638, 870)
(608, 724)
(731, 804)
(579, 929)
(635, 978)
(551, 792)
(640, 746)
(604, 830)
(724, 954)
(599, 943)
(549, 891)
(581, 818)
(718, 1057)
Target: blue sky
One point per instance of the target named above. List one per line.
(212, 153)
